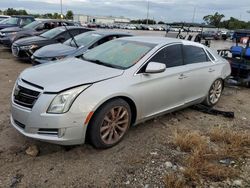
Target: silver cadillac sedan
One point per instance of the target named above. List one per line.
(113, 86)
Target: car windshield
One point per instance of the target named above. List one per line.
(83, 39)
(32, 25)
(13, 21)
(120, 54)
(52, 33)
(2, 19)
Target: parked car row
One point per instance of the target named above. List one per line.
(128, 26)
(74, 47)
(16, 21)
(25, 47)
(9, 35)
(217, 35)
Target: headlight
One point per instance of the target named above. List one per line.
(29, 47)
(33, 47)
(63, 101)
(25, 47)
(11, 33)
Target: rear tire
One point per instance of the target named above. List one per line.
(110, 123)
(214, 93)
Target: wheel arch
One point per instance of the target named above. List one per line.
(222, 79)
(130, 102)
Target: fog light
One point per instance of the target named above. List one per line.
(61, 132)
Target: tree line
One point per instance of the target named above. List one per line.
(11, 12)
(215, 19)
(232, 23)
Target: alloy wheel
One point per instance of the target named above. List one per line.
(114, 125)
(215, 92)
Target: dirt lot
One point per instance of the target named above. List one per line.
(151, 155)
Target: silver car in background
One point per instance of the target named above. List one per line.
(115, 85)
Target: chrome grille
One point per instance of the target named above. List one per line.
(25, 97)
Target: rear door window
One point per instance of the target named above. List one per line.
(194, 54)
(171, 56)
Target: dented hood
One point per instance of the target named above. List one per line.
(70, 72)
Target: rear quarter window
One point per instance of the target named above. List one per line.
(210, 55)
(194, 54)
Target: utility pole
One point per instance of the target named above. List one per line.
(61, 10)
(194, 14)
(147, 12)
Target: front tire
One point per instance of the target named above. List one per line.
(109, 124)
(214, 93)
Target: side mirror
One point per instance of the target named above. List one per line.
(154, 67)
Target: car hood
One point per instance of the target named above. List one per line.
(11, 29)
(31, 40)
(68, 73)
(2, 26)
(55, 50)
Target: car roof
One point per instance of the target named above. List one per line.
(22, 16)
(108, 33)
(160, 40)
(72, 27)
(4, 16)
(153, 40)
(53, 20)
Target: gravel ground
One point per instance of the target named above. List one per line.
(138, 161)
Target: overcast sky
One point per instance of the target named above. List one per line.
(166, 10)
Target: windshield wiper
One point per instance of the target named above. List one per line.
(72, 36)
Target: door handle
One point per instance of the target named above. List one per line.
(182, 76)
(211, 70)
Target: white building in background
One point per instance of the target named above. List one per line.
(83, 19)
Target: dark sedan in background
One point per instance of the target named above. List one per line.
(74, 47)
(24, 48)
(9, 35)
(3, 17)
(16, 21)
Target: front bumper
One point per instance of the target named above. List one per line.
(6, 41)
(62, 129)
(21, 53)
(72, 135)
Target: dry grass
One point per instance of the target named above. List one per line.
(173, 181)
(190, 141)
(204, 153)
(233, 144)
(199, 167)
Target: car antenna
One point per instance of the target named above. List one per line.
(72, 36)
